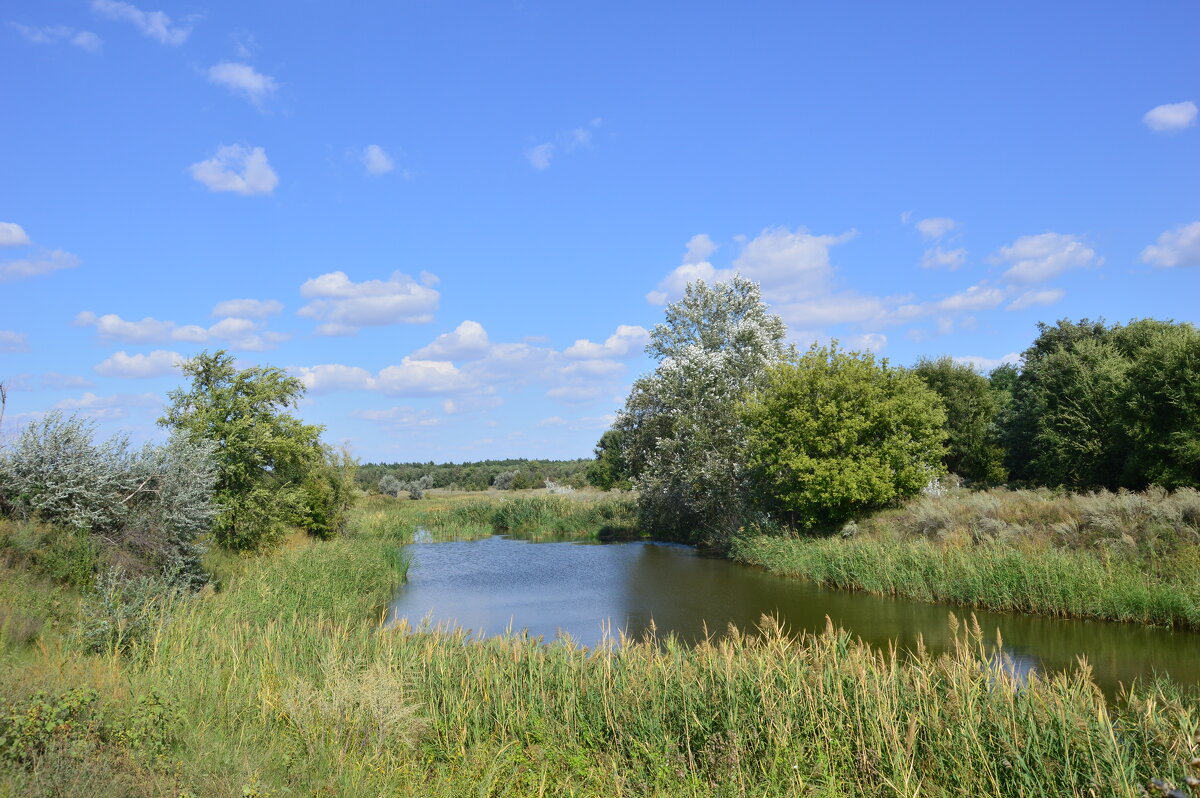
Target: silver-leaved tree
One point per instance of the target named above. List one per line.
(682, 438)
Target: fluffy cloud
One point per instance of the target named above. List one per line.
(53, 34)
(248, 308)
(575, 394)
(1031, 299)
(238, 333)
(11, 341)
(1172, 116)
(988, 363)
(540, 155)
(874, 342)
(155, 24)
(938, 258)
(627, 340)
(158, 363)
(469, 341)
(334, 377)
(791, 266)
(1037, 258)
(344, 305)
(45, 263)
(976, 297)
(376, 161)
(12, 235)
(1178, 247)
(936, 227)
(239, 169)
(423, 378)
(243, 80)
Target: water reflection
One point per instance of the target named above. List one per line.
(499, 583)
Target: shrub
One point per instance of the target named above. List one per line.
(835, 433)
(121, 610)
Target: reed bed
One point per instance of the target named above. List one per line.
(1113, 556)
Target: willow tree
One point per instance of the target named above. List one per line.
(682, 438)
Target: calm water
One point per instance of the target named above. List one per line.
(499, 583)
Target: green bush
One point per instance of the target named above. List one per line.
(834, 434)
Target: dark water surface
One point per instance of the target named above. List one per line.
(498, 583)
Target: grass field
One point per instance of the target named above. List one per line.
(280, 681)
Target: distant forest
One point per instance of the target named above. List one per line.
(480, 475)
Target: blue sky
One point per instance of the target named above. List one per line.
(456, 221)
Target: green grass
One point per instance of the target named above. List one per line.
(1121, 557)
(282, 682)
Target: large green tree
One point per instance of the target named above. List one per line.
(266, 456)
(832, 434)
(973, 450)
(683, 438)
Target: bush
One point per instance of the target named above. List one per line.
(835, 434)
(121, 610)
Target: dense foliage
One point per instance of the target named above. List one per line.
(683, 440)
(479, 475)
(272, 469)
(833, 434)
(973, 448)
(1108, 406)
(608, 471)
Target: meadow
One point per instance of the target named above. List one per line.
(279, 680)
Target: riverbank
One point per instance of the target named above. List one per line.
(1123, 557)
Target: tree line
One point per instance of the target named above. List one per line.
(480, 475)
(735, 427)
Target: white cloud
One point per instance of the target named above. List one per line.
(1031, 299)
(592, 368)
(243, 80)
(52, 34)
(874, 342)
(54, 380)
(988, 363)
(108, 407)
(376, 161)
(938, 258)
(936, 227)
(11, 341)
(1178, 247)
(1037, 258)
(248, 308)
(1172, 116)
(469, 341)
(627, 340)
(239, 169)
(976, 297)
(344, 305)
(154, 24)
(423, 378)
(45, 263)
(238, 333)
(540, 155)
(791, 266)
(112, 327)
(334, 377)
(158, 363)
(579, 424)
(12, 235)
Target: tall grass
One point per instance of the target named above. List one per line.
(1113, 556)
(283, 682)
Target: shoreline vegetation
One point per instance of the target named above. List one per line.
(277, 680)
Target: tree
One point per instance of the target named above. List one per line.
(1160, 412)
(833, 434)
(608, 470)
(264, 453)
(973, 450)
(683, 439)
